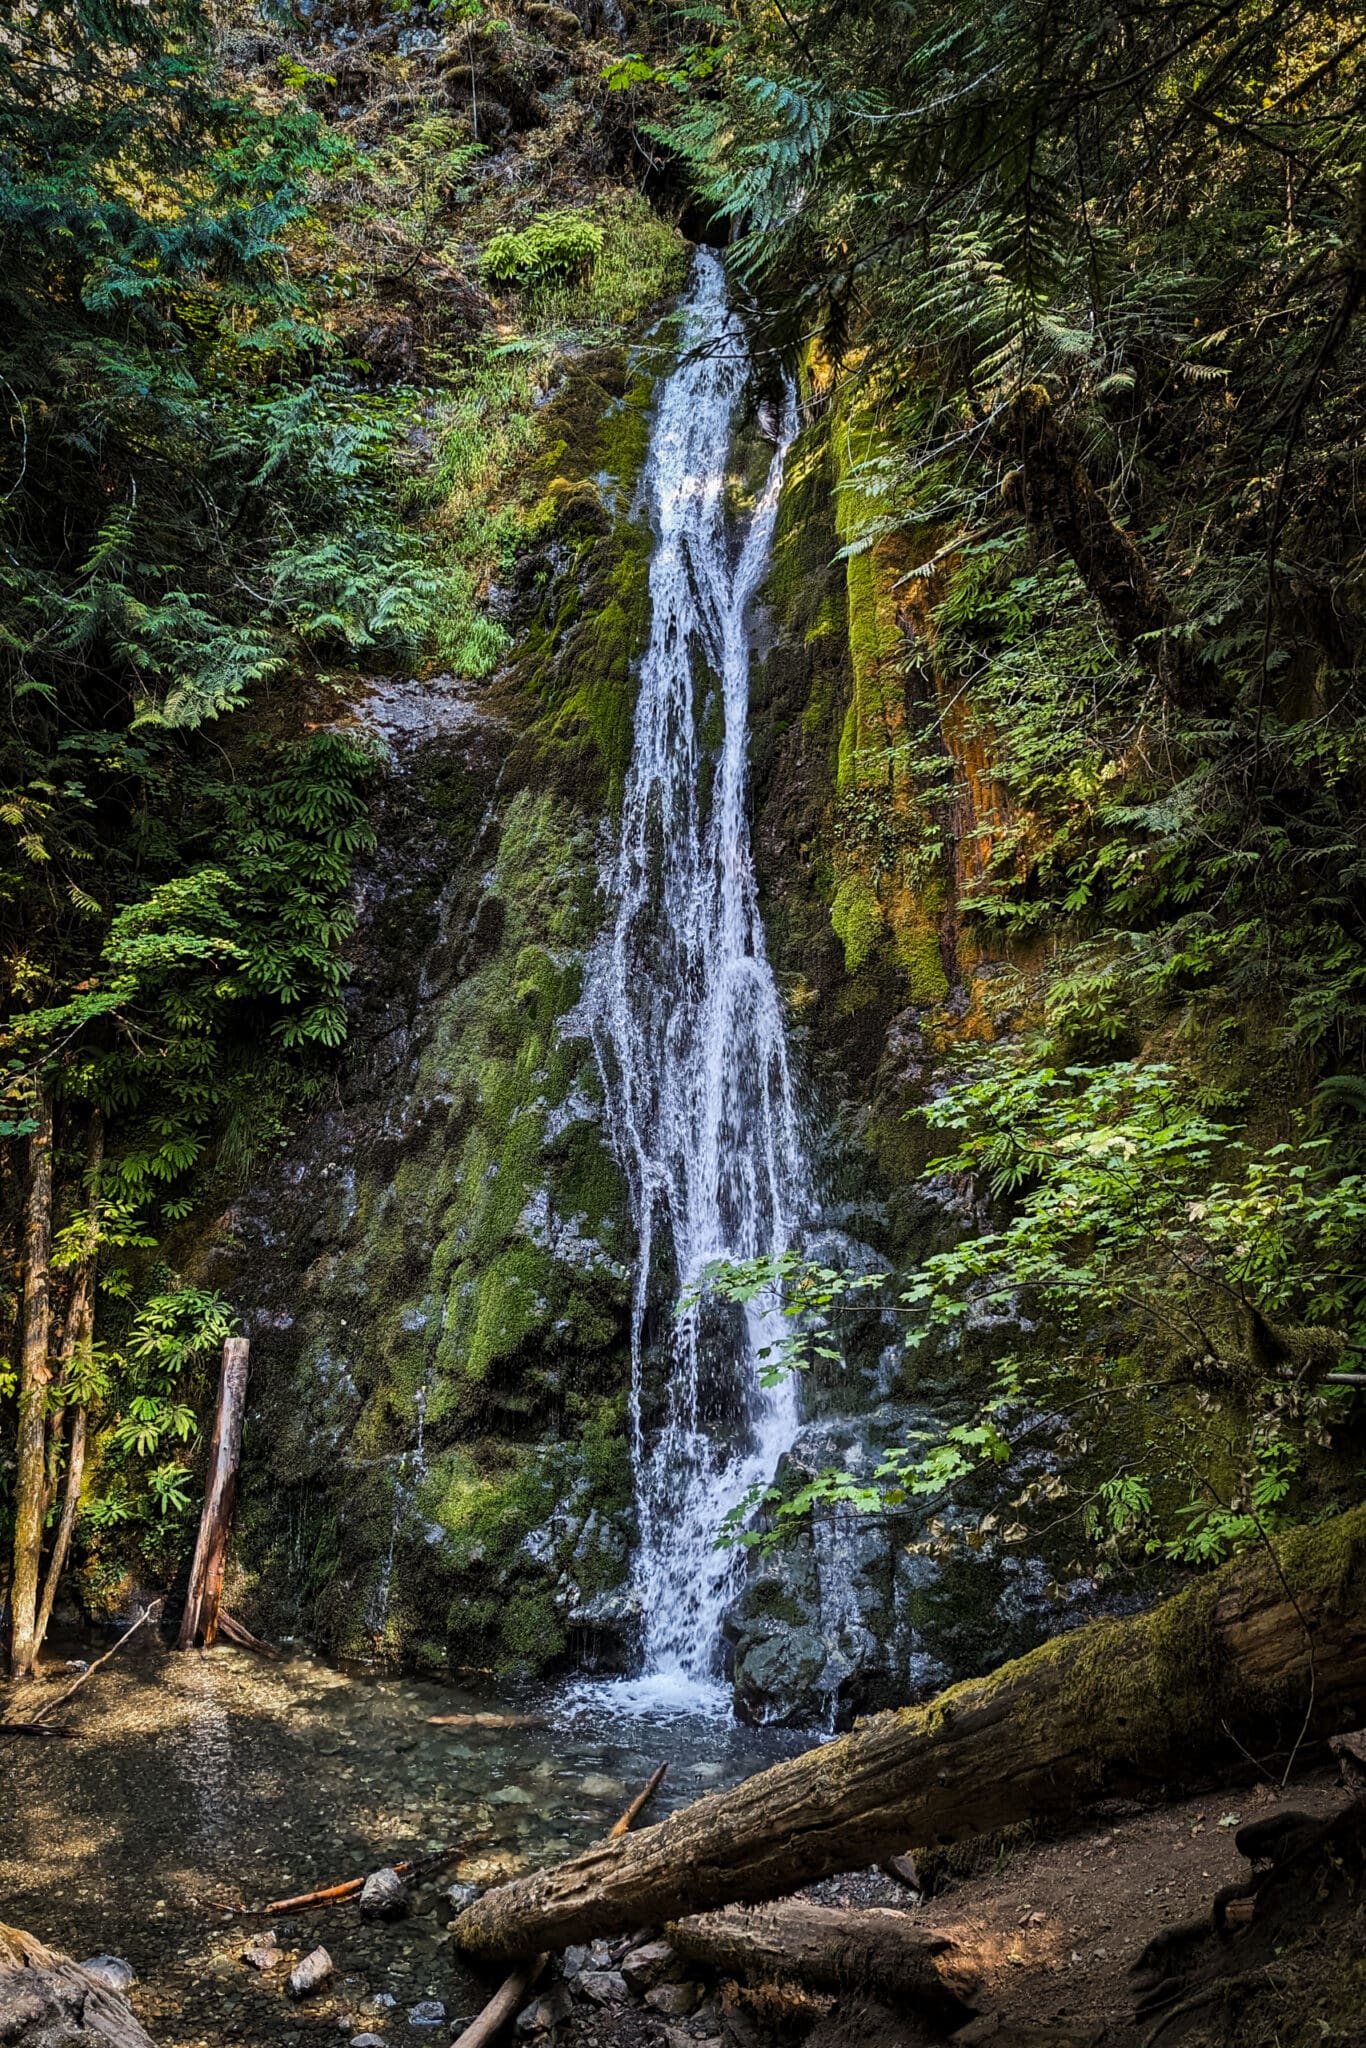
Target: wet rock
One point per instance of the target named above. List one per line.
(513, 1795)
(650, 1964)
(310, 1973)
(381, 2001)
(366, 2041)
(110, 1971)
(573, 1960)
(674, 2001)
(384, 1896)
(428, 2012)
(458, 1896)
(264, 1952)
(604, 1987)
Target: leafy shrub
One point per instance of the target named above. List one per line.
(555, 246)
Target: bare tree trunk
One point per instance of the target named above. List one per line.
(77, 1342)
(878, 1950)
(204, 1598)
(34, 1376)
(1120, 1704)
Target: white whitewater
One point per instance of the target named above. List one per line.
(687, 1025)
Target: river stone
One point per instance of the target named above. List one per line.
(545, 2012)
(513, 1795)
(313, 1970)
(604, 1987)
(648, 1965)
(381, 2001)
(264, 1952)
(110, 1971)
(428, 2012)
(573, 1960)
(384, 1896)
(366, 2041)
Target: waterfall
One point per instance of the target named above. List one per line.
(685, 1019)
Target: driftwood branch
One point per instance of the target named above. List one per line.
(51, 1706)
(351, 1887)
(1120, 1704)
(504, 2006)
(637, 1806)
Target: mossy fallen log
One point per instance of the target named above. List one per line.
(876, 1950)
(1118, 1705)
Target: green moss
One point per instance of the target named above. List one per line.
(919, 955)
(531, 1631)
(857, 918)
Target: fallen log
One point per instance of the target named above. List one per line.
(1119, 1704)
(199, 1623)
(878, 1950)
(33, 1728)
(486, 1721)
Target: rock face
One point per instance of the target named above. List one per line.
(48, 2001)
(859, 1612)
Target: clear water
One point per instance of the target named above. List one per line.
(203, 1784)
(687, 1025)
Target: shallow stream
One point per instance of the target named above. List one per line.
(198, 1785)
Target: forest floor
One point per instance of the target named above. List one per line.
(198, 1785)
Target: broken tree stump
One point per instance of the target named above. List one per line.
(199, 1624)
(878, 1949)
(1119, 1704)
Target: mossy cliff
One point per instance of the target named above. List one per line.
(435, 1276)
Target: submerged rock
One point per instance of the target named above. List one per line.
(428, 2012)
(384, 1896)
(310, 1973)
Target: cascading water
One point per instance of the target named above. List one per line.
(686, 1022)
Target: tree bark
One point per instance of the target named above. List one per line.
(878, 1950)
(34, 1375)
(1120, 1704)
(77, 1343)
(204, 1598)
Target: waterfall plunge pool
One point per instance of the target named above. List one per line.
(201, 1783)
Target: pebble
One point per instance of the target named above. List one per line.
(381, 2001)
(315, 1969)
(263, 1953)
(110, 1971)
(366, 2041)
(428, 2012)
